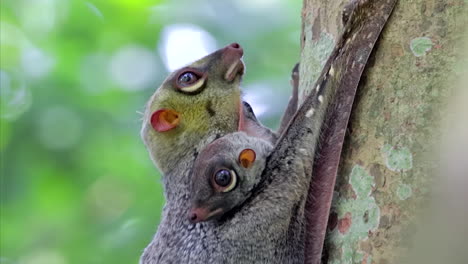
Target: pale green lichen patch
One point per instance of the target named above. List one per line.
(404, 191)
(365, 215)
(420, 46)
(397, 159)
(361, 181)
(323, 48)
(315, 53)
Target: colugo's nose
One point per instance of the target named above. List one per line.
(193, 217)
(198, 214)
(235, 46)
(234, 49)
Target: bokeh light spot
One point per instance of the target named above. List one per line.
(35, 62)
(108, 198)
(15, 97)
(94, 10)
(44, 257)
(261, 97)
(40, 17)
(259, 4)
(134, 68)
(255, 102)
(93, 73)
(11, 35)
(120, 238)
(59, 128)
(182, 44)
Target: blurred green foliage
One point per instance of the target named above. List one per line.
(77, 185)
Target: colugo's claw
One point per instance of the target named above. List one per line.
(292, 106)
(295, 72)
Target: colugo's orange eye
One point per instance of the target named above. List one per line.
(190, 81)
(247, 158)
(164, 120)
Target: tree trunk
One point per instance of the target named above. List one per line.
(386, 166)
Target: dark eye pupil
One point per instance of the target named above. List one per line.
(187, 77)
(223, 178)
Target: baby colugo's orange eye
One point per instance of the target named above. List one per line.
(224, 180)
(190, 81)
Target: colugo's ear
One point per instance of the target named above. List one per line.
(247, 158)
(165, 119)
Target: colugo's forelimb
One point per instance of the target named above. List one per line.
(366, 21)
(293, 101)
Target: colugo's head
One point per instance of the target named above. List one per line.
(194, 102)
(225, 173)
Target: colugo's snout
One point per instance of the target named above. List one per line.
(202, 214)
(231, 57)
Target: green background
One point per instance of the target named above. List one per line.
(77, 184)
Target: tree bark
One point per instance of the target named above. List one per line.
(386, 166)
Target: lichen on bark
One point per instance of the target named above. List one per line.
(394, 124)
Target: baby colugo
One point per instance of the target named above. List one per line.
(227, 170)
(225, 173)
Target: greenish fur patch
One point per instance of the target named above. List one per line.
(420, 46)
(209, 109)
(365, 215)
(397, 159)
(404, 191)
(214, 110)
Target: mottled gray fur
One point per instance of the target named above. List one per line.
(269, 226)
